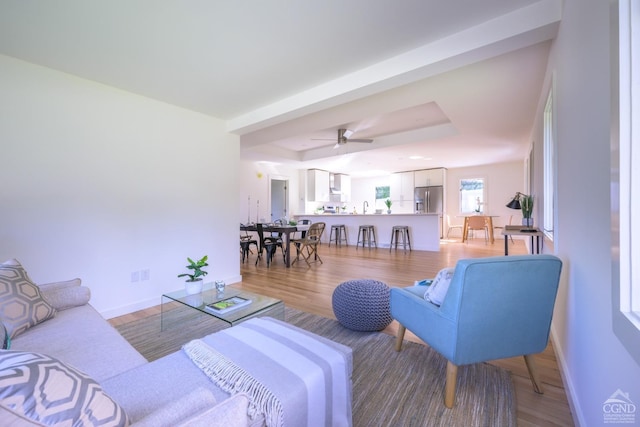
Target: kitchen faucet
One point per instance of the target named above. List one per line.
(365, 205)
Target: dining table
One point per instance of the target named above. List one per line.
(284, 230)
(488, 220)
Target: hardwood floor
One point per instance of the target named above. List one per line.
(310, 290)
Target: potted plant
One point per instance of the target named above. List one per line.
(526, 203)
(388, 202)
(193, 285)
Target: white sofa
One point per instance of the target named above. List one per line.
(170, 391)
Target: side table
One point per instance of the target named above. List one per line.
(518, 230)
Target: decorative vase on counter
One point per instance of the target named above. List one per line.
(193, 286)
(388, 211)
(527, 222)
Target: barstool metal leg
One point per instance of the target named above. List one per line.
(397, 232)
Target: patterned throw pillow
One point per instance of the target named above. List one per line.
(4, 335)
(438, 290)
(46, 391)
(21, 304)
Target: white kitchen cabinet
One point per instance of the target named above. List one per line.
(345, 188)
(401, 188)
(429, 177)
(317, 185)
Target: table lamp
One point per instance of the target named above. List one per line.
(515, 202)
(525, 203)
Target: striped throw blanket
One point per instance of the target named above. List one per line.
(292, 378)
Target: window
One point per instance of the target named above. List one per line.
(625, 179)
(629, 158)
(471, 195)
(549, 166)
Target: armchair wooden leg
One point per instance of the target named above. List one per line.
(533, 373)
(400, 337)
(450, 387)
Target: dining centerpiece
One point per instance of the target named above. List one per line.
(193, 285)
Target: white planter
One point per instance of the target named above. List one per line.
(193, 287)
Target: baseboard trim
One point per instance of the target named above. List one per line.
(152, 302)
(130, 308)
(570, 390)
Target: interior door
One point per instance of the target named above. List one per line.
(279, 198)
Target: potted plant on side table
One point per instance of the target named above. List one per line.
(526, 202)
(193, 285)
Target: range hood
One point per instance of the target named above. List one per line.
(335, 183)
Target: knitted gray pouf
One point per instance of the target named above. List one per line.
(362, 305)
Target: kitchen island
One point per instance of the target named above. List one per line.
(424, 229)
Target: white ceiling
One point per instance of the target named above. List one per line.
(456, 82)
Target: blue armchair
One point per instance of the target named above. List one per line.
(495, 308)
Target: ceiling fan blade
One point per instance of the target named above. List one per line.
(344, 133)
(360, 140)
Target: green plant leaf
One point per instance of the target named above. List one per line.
(196, 267)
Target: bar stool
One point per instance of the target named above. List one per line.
(368, 233)
(400, 231)
(337, 234)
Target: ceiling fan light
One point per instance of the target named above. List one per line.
(346, 133)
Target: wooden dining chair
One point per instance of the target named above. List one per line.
(477, 222)
(308, 246)
(300, 234)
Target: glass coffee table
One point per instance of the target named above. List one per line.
(178, 305)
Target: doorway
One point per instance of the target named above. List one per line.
(279, 198)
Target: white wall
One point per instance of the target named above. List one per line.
(364, 189)
(593, 361)
(502, 181)
(254, 190)
(98, 183)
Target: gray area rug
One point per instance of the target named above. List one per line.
(389, 388)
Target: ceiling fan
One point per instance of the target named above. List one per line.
(343, 138)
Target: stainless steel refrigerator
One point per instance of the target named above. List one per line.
(428, 199)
